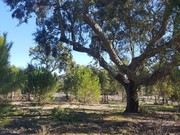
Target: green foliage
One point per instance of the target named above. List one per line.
(86, 86)
(65, 114)
(6, 109)
(60, 56)
(4, 51)
(165, 88)
(104, 80)
(115, 86)
(107, 84)
(17, 79)
(5, 121)
(4, 62)
(41, 83)
(176, 85)
(81, 82)
(68, 78)
(168, 88)
(11, 77)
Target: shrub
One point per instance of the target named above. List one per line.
(42, 83)
(86, 86)
(66, 114)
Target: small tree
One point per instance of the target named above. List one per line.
(68, 78)
(86, 86)
(105, 85)
(176, 85)
(4, 63)
(42, 83)
(17, 79)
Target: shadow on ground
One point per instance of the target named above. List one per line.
(90, 122)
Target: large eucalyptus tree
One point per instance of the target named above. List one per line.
(142, 32)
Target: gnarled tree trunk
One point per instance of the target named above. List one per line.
(132, 97)
(131, 93)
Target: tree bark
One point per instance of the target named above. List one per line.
(132, 98)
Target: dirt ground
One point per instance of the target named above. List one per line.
(92, 119)
(32, 119)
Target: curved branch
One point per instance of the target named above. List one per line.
(119, 77)
(151, 49)
(150, 52)
(107, 44)
(102, 62)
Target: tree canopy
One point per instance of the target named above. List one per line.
(56, 58)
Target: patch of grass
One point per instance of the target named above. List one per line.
(6, 109)
(162, 108)
(5, 121)
(115, 118)
(67, 114)
(119, 118)
(118, 107)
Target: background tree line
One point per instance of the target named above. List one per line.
(84, 83)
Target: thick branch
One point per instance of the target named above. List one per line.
(61, 23)
(120, 78)
(151, 49)
(107, 44)
(102, 62)
(150, 52)
(163, 29)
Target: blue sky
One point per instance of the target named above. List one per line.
(22, 39)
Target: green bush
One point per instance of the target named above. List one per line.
(86, 86)
(62, 114)
(6, 109)
(42, 84)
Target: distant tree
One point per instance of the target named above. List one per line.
(56, 59)
(86, 86)
(41, 83)
(28, 87)
(117, 88)
(138, 30)
(4, 63)
(17, 80)
(165, 89)
(105, 84)
(162, 88)
(176, 85)
(68, 82)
